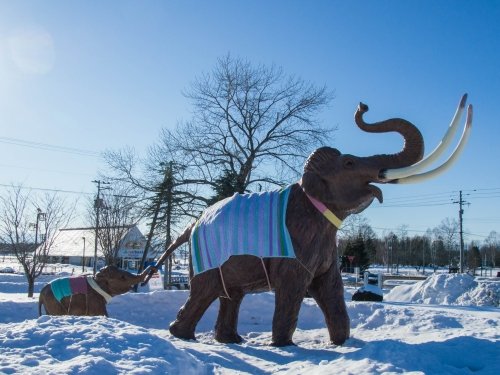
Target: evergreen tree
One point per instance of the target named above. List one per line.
(474, 259)
(226, 186)
(357, 248)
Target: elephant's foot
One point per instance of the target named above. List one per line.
(279, 343)
(228, 338)
(339, 338)
(181, 332)
(340, 328)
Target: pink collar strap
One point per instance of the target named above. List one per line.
(332, 218)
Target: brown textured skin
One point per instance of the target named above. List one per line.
(112, 280)
(318, 275)
(342, 183)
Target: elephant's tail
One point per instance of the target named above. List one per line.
(40, 303)
(42, 298)
(182, 239)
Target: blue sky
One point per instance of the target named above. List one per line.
(94, 75)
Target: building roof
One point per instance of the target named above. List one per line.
(70, 242)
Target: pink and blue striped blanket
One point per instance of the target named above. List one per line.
(250, 224)
(67, 286)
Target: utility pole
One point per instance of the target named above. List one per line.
(460, 215)
(461, 202)
(97, 205)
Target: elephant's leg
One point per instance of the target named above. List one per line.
(204, 290)
(51, 305)
(328, 291)
(227, 320)
(289, 296)
(54, 307)
(91, 304)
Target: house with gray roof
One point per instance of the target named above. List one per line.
(77, 246)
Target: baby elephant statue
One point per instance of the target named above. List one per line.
(286, 241)
(86, 295)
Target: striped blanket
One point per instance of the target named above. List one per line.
(67, 286)
(251, 224)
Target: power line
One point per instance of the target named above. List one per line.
(421, 196)
(438, 199)
(484, 219)
(424, 231)
(45, 189)
(482, 189)
(475, 192)
(45, 170)
(415, 204)
(48, 147)
(395, 229)
(488, 197)
(431, 199)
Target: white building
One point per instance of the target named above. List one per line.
(77, 246)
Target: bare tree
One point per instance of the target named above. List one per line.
(251, 123)
(117, 214)
(144, 178)
(164, 195)
(473, 259)
(448, 230)
(30, 224)
(491, 248)
(386, 249)
(353, 225)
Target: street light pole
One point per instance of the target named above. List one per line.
(83, 257)
(40, 216)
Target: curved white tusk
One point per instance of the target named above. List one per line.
(393, 174)
(448, 163)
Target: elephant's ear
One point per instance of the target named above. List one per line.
(319, 162)
(102, 280)
(316, 187)
(101, 272)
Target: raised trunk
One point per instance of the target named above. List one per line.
(413, 149)
(141, 276)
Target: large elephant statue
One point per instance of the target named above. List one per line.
(235, 251)
(86, 295)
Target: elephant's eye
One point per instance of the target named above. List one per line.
(349, 163)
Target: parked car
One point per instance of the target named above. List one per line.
(372, 278)
(7, 270)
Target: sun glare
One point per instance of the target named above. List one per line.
(31, 50)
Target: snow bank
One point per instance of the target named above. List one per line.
(71, 345)
(391, 338)
(449, 289)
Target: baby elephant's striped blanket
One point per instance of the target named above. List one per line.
(67, 286)
(250, 224)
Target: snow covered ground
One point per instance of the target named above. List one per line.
(447, 324)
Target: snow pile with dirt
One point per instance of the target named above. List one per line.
(449, 289)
